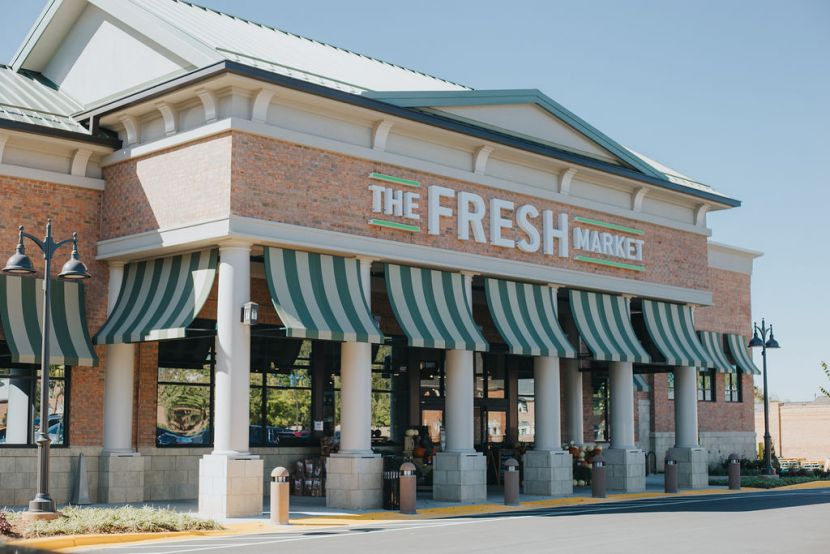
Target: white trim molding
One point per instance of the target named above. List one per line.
(700, 214)
(168, 114)
(287, 135)
(32, 174)
(480, 160)
(208, 99)
(285, 235)
(565, 181)
(637, 199)
(262, 101)
(3, 140)
(380, 133)
(131, 126)
(80, 160)
(732, 258)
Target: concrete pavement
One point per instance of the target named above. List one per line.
(769, 521)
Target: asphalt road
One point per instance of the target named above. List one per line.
(780, 522)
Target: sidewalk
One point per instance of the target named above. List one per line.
(311, 513)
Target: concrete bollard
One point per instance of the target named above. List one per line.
(279, 496)
(734, 471)
(409, 489)
(511, 482)
(671, 475)
(598, 487)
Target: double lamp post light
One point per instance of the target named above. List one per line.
(759, 339)
(74, 270)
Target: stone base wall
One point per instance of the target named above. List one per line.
(459, 477)
(625, 470)
(692, 467)
(548, 473)
(718, 445)
(18, 473)
(354, 482)
(230, 487)
(121, 478)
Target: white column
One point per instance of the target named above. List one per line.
(356, 385)
(459, 402)
(233, 351)
(546, 388)
(685, 407)
(119, 378)
(573, 401)
(18, 407)
(622, 404)
(460, 390)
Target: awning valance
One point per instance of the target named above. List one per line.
(319, 296)
(740, 353)
(713, 343)
(672, 328)
(159, 298)
(604, 323)
(432, 309)
(525, 316)
(21, 313)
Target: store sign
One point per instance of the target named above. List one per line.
(543, 231)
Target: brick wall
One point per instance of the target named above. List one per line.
(31, 203)
(289, 183)
(187, 184)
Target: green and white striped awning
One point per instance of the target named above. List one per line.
(159, 298)
(21, 313)
(604, 323)
(525, 316)
(713, 343)
(641, 383)
(432, 309)
(738, 347)
(672, 328)
(319, 296)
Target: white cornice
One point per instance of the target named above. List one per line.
(294, 236)
(732, 258)
(21, 172)
(357, 151)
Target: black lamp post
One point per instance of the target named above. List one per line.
(764, 343)
(73, 269)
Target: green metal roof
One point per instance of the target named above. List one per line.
(29, 98)
(635, 160)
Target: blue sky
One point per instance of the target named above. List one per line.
(735, 94)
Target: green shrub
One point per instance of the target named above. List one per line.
(757, 482)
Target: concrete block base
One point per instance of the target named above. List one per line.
(459, 477)
(354, 482)
(120, 477)
(692, 467)
(625, 470)
(230, 487)
(548, 472)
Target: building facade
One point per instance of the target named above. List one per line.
(483, 268)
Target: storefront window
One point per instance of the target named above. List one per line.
(280, 399)
(185, 392)
(527, 410)
(706, 385)
(732, 387)
(670, 385)
(432, 380)
(20, 405)
(599, 400)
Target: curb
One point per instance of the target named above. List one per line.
(75, 541)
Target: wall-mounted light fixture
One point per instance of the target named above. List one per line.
(250, 313)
